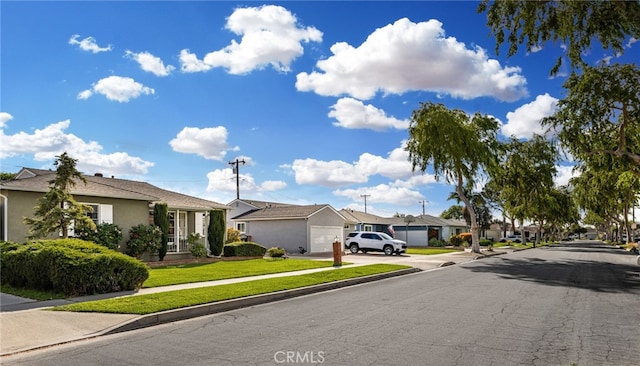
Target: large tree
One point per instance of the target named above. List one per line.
(573, 25)
(57, 211)
(459, 147)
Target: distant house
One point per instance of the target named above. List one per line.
(422, 228)
(362, 221)
(126, 203)
(296, 228)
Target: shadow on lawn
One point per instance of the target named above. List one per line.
(599, 276)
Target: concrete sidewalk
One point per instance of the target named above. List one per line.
(27, 324)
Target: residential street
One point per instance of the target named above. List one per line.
(575, 304)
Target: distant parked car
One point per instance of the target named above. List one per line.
(513, 238)
(366, 241)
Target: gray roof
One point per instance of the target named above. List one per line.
(428, 220)
(282, 212)
(363, 217)
(261, 204)
(98, 186)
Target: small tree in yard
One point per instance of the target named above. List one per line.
(57, 210)
(215, 232)
(458, 146)
(161, 220)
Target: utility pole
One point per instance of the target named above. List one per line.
(365, 201)
(423, 203)
(236, 171)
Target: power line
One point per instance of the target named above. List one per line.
(365, 201)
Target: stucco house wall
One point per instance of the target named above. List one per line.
(287, 234)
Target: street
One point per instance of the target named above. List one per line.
(573, 304)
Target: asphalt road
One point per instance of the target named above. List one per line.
(577, 304)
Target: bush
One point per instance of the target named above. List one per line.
(196, 248)
(244, 249)
(72, 266)
(233, 235)
(485, 242)
(466, 237)
(275, 252)
(433, 242)
(455, 240)
(108, 235)
(143, 238)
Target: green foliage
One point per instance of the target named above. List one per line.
(143, 238)
(216, 231)
(433, 242)
(486, 242)
(244, 249)
(233, 235)
(57, 210)
(161, 220)
(196, 248)
(573, 24)
(4, 176)
(108, 235)
(72, 266)
(455, 212)
(275, 252)
(456, 240)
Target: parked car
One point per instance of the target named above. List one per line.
(513, 238)
(366, 241)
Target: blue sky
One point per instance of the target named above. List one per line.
(314, 96)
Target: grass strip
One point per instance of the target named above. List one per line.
(40, 295)
(430, 251)
(201, 272)
(153, 303)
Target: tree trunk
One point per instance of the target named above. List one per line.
(475, 229)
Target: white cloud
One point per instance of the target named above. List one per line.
(224, 180)
(353, 114)
(383, 193)
(270, 34)
(632, 40)
(210, 143)
(4, 118)
(564, 174)
(150, 63)
(118, 88)
(47, 143)
(524, 122)
(88, 44)
(407, 56)
(337, 173)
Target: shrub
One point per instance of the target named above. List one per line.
(233, 235)
(244, 249)
(466, 237)
(433, 242)
(455, 240)
(108, 235)
(72, 266)
(143, 238)
(275, 252)
(196, 248)
(485, 242)
(161, 220)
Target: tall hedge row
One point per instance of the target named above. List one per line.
(72, 266)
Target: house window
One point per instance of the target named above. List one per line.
(100, 214)
(368, 228)
(241, 227)
(93, 214)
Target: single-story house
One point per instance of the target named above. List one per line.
(422, 228)
(122, 202)
(295, 228)
(362, 221)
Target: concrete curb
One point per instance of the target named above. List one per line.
(169, 316)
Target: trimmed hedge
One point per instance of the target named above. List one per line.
(72, 266)
(243, 249)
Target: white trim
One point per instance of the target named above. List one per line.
(5, 218)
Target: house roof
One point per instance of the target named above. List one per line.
(283, 212)
(428, 220)
(37, 180)
(363, 217)
(260, 204)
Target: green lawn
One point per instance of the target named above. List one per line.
(430, 251)
(153, 303)
(189, 273)
(28, 293)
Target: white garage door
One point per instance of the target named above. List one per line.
(322, 238)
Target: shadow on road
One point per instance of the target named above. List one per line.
(599, 276)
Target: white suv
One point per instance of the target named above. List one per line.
(375, 242)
